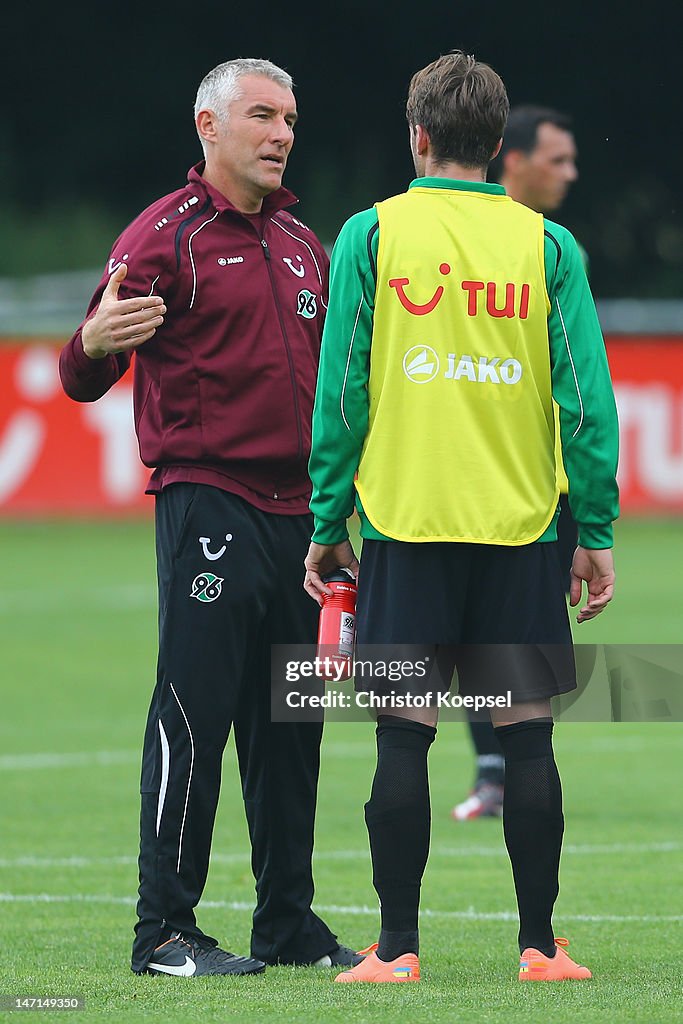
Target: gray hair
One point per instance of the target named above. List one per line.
(219, 88)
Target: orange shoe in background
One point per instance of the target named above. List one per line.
(536, 966)
(404, 968)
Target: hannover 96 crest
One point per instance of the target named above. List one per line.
(206, 587)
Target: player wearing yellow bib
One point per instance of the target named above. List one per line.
(455, 317)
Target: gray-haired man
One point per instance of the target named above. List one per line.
(222, 293)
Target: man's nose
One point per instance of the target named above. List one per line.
(282, 132)
(572, 172)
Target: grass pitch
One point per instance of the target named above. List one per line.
(77, 649)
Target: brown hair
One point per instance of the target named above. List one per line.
(462, 105)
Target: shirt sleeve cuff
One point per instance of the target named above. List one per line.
(330, 533)
(595, 537)
(84, 364)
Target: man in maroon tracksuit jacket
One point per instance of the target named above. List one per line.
(222, 293)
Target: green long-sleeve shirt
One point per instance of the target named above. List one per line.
(581, 382)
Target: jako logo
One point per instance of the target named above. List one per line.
(224, 261)
(485, 370)
(421, 364)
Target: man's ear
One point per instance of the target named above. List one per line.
(207, 125)
(513, 160)
(497, 149)
(421, 139)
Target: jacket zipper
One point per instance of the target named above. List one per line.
(290, 360)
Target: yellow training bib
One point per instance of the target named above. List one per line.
(460, 444)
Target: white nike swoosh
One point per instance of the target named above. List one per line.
(185, 970)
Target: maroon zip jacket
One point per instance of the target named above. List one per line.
(223, 392)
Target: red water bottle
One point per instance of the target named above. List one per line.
(337, 626)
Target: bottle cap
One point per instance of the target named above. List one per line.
(339, 575)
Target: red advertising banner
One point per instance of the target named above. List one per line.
(61, 457)
(648, 386)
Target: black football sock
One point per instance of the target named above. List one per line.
(398, 818)
(490, 760)
(533, 825)
(394, 944)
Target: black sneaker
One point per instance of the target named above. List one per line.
(190, 957)
(342, 956)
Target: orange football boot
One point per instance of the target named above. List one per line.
(403, 968)
(536, 966)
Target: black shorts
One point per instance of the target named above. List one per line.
(496, 614)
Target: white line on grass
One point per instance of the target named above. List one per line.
(588, 849)
(614, 744)
(124, 598)
(27, 762)
(357, 911)
(333, 749)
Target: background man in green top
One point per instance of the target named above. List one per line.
(504, 600)
(536, 166)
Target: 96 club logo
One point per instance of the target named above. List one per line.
(206, 587)
(306, 304)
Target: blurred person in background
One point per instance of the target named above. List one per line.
(536, 166)
(221, 294)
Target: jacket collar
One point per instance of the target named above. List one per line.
(272, 203)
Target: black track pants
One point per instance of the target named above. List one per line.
(230, 585)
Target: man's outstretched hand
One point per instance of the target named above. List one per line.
(596, 567)
(119, 325)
